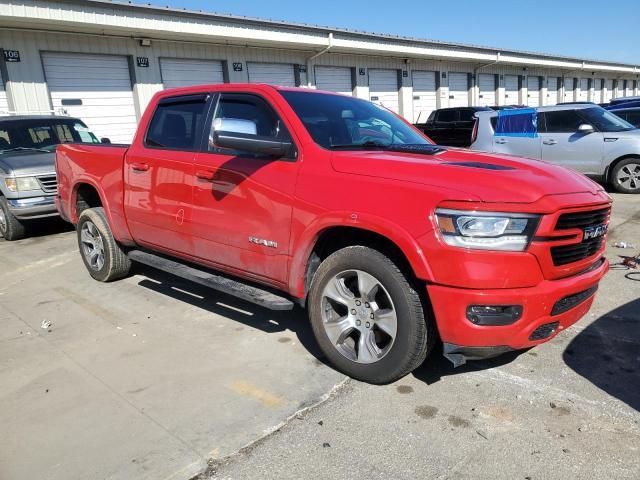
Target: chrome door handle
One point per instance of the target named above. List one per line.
(550, 142)
(502, 141)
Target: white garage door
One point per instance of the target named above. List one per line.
(4, 105)
(511, 90)
(607, 94)
(597, 90)
(458, 89)
(95, 88)
(552, 90)
(424, 95)
(628, 92)
(183, 72)
(383, 88)
(569, 89)
(583, 93)
(334, 79)
(487, 90)
(272, 73)
(533, 91)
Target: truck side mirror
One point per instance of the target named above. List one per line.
(252, 143)
(586, 128)
(105, 140)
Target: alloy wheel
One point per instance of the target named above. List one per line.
(92, 245)
(358, 316)
(629, 176)
(3, 222)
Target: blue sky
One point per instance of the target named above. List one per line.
(587, 28)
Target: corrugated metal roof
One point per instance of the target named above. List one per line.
(351, 32)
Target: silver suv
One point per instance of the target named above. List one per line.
(586, 138)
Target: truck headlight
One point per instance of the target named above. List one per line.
(487, 230)
(11, 184)
(22, 184)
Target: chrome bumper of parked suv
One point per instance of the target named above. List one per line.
(35, 207)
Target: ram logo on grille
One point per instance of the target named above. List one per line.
(595, 232)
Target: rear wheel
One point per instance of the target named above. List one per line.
(104, 258)
(10, 227)
(625, 176)
(366, 316)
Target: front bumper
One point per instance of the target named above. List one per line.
(31, 208)
(450, 307)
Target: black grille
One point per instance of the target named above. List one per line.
(544, 331)
(576, 252)
(567, 303)
(582, 219)
(566, 254)
(48, 183)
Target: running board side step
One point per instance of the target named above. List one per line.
(220, 283)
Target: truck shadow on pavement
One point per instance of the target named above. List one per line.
(607, 353)
(247, 314)
(436, 366)
(238, 310)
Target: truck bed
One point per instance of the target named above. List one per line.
(99, 166)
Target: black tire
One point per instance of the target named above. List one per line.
(633, 185)
(11, 228)
(115, 263)
(415, 334)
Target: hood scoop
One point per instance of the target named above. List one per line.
(417, 148)
(485, 166)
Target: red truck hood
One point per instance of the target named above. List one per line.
(488, 177)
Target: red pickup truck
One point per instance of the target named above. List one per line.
(284, 196)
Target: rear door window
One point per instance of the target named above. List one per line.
(633, 118)
(447, 116)
(177, 123)
(466, 114)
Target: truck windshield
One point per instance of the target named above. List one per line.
(605, 121)
(42, 134)
(341, 122)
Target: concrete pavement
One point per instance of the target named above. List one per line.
(152, 377)
(148, 377)
(566, 409)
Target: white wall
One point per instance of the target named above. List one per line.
(28, 91)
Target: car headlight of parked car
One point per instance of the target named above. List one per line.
(486, 230)
(22, 184)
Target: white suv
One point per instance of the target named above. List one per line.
(586, 138)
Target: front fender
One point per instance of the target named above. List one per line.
(304, 244)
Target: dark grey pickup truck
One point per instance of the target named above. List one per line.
(27, 167)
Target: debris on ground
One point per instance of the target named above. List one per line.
(624, 245)
(631, 262)
(45, 325)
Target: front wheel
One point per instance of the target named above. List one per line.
(625, 177)
(10, 227)
(366, 316)
(104, 258)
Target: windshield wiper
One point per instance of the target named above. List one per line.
(370, 145)
(19, 149)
